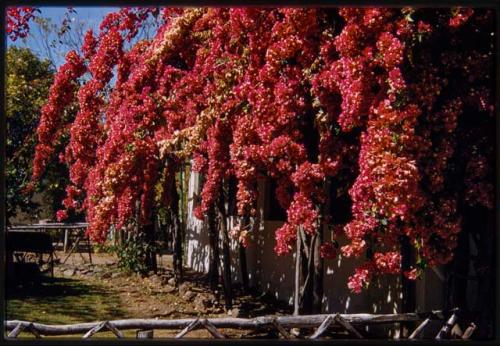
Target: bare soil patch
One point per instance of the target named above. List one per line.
(122, 295)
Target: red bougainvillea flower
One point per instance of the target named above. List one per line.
(362, 108)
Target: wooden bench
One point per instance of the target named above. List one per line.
(21, 243)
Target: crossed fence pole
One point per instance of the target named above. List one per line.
(282, 324)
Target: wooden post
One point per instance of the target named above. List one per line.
(243, 267)
(469, 331)
(188, 328)
(347, 325)
(121, 236)
(456, 332)
(319, 263)
(307, 296)
(177, 239)
(177, 257)
(66, 239)
(151, 254)
(16, 331)
(447, 326)
(102, 326)
(408, 286)
(298, 262)
(419, 329)
(317, 276)
(282, 330)
(182, 212)
(459, 271)
(243, 258)
(145, 334)
(213, 268)
(52, 264)
(154, 237)
(226, 259)
(212, 329)
(77, 241)
(89, 247)
(323, 327)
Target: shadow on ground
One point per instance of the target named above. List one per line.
(57, 300)
(251, 303)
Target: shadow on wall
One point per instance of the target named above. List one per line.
(278, 273)
(198, 250)
(274, 274)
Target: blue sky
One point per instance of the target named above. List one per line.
(90, 17)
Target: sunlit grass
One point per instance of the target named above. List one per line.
(62, 301)
(69, 301)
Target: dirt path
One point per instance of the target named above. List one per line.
(152, 296)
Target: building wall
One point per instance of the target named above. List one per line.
(275, 274)
(197, 241)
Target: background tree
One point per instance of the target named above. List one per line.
(28, 79)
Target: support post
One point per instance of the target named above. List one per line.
(419, 329)
(408, 286)
(469, 331)
(226, 260)
(66, 239)
(317, 277)
(298, 262)
(282, 330)
(243, 259)
(188, 328)
(89, 246)
(177, 235)
(323, 327)
(447, 326)
(145, 334)
(213, 269)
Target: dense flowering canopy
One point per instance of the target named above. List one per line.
(374, 100)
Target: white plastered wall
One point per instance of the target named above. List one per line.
(275, 274)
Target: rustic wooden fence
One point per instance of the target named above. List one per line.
(284, 325)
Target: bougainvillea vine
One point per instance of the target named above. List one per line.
(352, 96)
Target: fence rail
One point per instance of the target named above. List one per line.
(282, 324)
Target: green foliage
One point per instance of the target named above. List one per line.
(132, 253)
(103, 248)
(28, 79)
(27, 85)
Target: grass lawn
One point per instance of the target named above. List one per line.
(62, 301)
(102, 296)
(66, 301)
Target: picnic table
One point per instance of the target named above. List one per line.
(42, 228)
